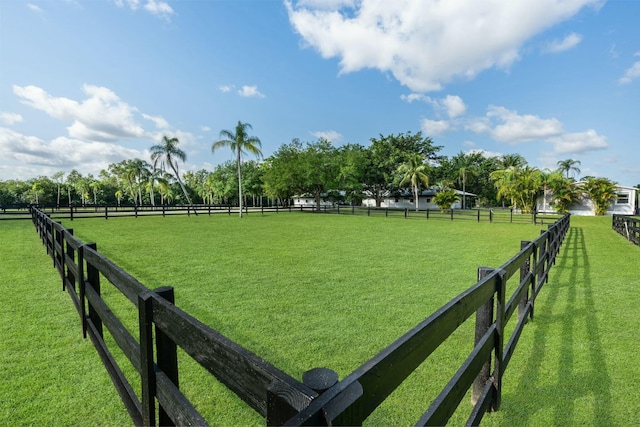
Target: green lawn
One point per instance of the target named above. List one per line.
(305, 290)
(50, 375)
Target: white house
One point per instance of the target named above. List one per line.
(626, 204)
(405, 199)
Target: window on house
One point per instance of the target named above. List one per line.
(397, 200)
(410, 200)
(428, 199)
(623, 199)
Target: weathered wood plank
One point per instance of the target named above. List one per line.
(386, 371)
(119, 278)
(120, 333)
(448, 400)
(177, 406)
(242, 371)
(124, 389)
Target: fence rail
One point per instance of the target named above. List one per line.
(628, 226)
(279, 398)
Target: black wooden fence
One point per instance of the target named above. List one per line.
(477, 215)
(282, 400)
(628, 226)
(501, 215)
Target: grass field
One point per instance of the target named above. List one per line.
(304, 291)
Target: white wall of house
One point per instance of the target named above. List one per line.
(424, 202)
(627, 203)
(309, 201)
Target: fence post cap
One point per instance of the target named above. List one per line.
(320, 379)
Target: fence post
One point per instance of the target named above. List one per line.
(147, 372)
(406, 211)
(93, 278)
(511, 210)
(490, 216)
(71, 212)
(427, 213)
(524, 272)
(135, 209)
(478, 215)
(451, 214)
(106, 212)
(353, 210)
(497, 360)
(167, 354)
(484, 319)
(69, 251)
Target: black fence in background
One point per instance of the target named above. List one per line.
(628, 226)
(501, 215)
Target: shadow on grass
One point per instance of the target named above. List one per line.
(566, 345)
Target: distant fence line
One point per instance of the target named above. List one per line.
(628, 226)
(501, 215)
(279, 398)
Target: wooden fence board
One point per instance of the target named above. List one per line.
(250, 376)
(119, 278)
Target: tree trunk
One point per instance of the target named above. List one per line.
(239, 181)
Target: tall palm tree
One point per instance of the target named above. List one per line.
(463, 174)
(415, 173)
(240, 143)
(569, 165)
(167, 154)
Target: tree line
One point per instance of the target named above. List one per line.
(389, 165)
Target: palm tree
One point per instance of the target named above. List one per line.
(58, 178)
(166, 154)
(414, 171)
(240, 143)
(569, 165)
(463, 174)
(602, 192)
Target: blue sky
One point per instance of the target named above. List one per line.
(87, 83)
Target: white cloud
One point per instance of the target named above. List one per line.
(160, 122)
(573, 143)
(630, 74)
(38, 157)
(10, 118)
(102, 116)
(414, 97)
(512, 128)
(225, 88)
(205, 128)
(508, 126)
(570, 41)
(250, 92)
(425, 44)
(454, 106)
(330, 135)
(35, 8)
(160, 9)
(435, 127)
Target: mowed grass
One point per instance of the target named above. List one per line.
(51, 376)
(303, 291)
(577, 363)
